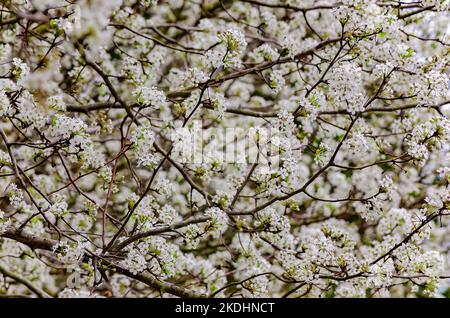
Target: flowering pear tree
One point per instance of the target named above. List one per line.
(220, 148)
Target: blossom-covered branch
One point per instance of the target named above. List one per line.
(219, 148)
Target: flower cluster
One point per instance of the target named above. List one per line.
(143, 139)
